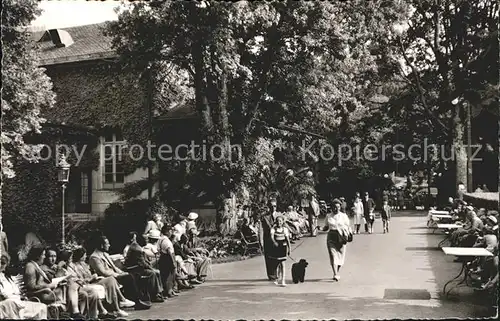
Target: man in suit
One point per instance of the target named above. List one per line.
(267, 222)
(102, 264)
(147, 278)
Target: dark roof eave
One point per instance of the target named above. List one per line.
(79, 58)
(166, 118)
(92, 130)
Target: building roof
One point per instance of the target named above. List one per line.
(89, 43)
(183, 111)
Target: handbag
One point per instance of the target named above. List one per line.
(349, 237)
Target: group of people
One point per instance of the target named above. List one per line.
(363, 210)
(276, 238)
(102, 286)
(479, 228)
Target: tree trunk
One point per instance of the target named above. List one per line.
(459, 148)
(202, 104)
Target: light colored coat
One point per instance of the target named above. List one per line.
(103, 265)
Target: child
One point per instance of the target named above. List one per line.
(386, 216)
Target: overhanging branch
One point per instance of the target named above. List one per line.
(414, 70)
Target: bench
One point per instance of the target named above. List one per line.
(54, 310)
(464, 252)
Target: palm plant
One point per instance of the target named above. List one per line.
(276, 181)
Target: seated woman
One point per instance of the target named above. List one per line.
(154, 224)
(10, 291)
(39, 285)
(113, 298)
(249, 233)
(79, 298)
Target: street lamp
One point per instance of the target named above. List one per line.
(63, 178)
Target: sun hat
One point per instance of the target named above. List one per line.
(493, 219)
(154, 234)
(192, 216)
(336, 201)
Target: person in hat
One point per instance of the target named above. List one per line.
(151, 248)
(280, 236)
(338, 226)
(191, 221)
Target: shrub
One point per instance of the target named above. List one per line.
(122, 218)
(223, 247)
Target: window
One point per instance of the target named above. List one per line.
(113, 173)
(84, 188)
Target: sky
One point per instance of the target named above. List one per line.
(70, 13)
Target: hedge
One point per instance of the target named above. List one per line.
(483, 200)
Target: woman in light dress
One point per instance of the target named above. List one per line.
(338, 226)
(112, 296)
(10, 294)
(358, 213)
(155, 223)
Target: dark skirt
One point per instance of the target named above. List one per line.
(280, 252)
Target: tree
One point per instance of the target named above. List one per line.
(25, 87)
(252, 62)
(449, 54)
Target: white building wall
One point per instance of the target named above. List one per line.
(103, 197)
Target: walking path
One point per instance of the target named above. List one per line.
(395, 275)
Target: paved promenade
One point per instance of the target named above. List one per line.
(395, 275)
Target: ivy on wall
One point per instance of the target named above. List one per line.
(102, 95)
(32, 199)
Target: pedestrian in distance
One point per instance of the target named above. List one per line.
(358, 213)
(386, 216)
(368, 208)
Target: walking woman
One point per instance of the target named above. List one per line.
(281, 239)
(358, 213)
(337, 225)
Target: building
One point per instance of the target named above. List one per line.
(94, 93)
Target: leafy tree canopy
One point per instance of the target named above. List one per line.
(25, 87)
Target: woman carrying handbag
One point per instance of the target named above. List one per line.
(339, 234)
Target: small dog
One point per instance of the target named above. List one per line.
(299, 271)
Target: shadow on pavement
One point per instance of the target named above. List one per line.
(420, 233)
(423, 248)
(238, 304)
(409, 213)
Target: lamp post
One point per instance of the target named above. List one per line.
(63, 178)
